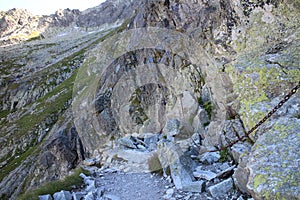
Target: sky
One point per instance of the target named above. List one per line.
(42, 7)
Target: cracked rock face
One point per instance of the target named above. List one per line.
(141, 87)
(151, 94)
(274, 162)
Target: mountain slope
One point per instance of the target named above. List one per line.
(36, 93)
(91, 79)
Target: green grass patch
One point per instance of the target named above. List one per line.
(55, 186)
(9, 64)
(49, 105)
(34, 38)
(225, 155)
(4, 113)
(208, 107)
(44, 110)
(15, 162)
(47, 108)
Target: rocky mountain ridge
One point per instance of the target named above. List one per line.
(153, 83)
(17, 25)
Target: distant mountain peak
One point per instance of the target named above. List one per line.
(16, 24)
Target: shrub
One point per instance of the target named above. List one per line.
(55, 186)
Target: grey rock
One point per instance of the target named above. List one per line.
(238, 149)
(91, 161)
(210, 157)
(110, 197)
(95, 194)
(219, 190)
(241, 174)
(170, 191)
(241, 198)
(151, 140)
(223, 132)
(142, 147)
(78, 195)
(148, 105)
(226, 172)
(274, 162)
(203, 117)
(223, 166)
(207, 175)
(172, 127)
(25, 22)
(232, 130)
(90, 182)
(62, 195)
(108, 12)
(127, 142)
(213, 134)
(3, 164)
(90, 196)
(99, 191)
(45, 197)
(170, 155)
(169, 194)
(195, 186)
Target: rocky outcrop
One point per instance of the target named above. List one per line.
(60, 152)
(108, 12)
(157, 89)
(221, 33)
(171, 156)
(273, 163)
(14, 20)
(18, 25)
(196, 73)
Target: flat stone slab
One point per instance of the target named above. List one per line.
(137, 161)
(221, 189)
(226, 173)
(196, 186)
(207, 175)
(210, 157)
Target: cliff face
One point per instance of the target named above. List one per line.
(208, 64)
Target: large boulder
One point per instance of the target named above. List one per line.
(181, 166)
(221, 189)
(273, 163)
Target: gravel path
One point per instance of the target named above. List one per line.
(137, 186)
(118, 185)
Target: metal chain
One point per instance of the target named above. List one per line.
(247, 133)
(279, 105)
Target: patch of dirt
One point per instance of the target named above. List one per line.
(141, 186)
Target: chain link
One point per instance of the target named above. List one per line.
(279, 105)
